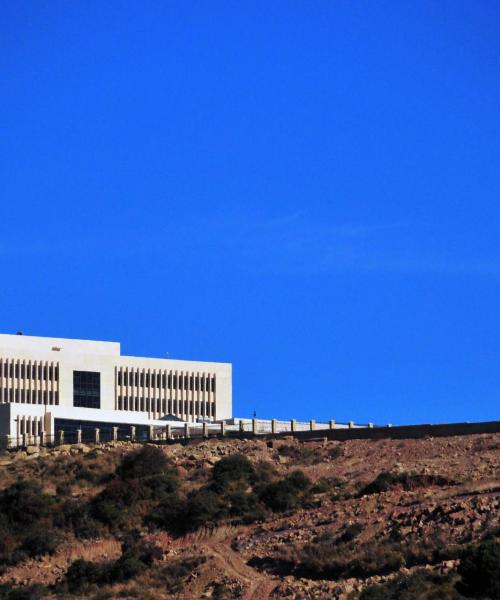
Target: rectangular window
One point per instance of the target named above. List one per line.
(87, 389)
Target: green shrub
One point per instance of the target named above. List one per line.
(287, 494)
(386, 481)
(351, 532)
(77, 516)
(24, 503)
(160, 487)
(38, 540)
(233, 471)
(26, 522)
(421, 585)
(30, 592)
(302, 454)
(147, 461)
(480, 571)
(169, 514)
(137, 556)
(176, 572)
(203, 508)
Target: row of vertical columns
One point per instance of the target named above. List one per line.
(189, 395)
(29, 425)
(40, 387)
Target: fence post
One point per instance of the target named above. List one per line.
(42, 438)
(332, 423)
(61, 437)
(205, 430)
(222, 428)
(168, 431)
(312, 424)
(293, 425)
(114, 431)
(351, 424)
(186, 430)
(132, 433)
(78, 436)
(242, 426)
(151, 433)
(254, 426)
(97, 435)
(273, 426)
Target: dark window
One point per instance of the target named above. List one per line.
(87, 389)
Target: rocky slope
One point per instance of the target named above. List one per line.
(374, 510)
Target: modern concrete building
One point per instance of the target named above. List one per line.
(48, 385)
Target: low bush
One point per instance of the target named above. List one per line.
(408, 481)
(421, 585)
(28, 592)
(176, 572)
(137, 556)
(301, 454)
(147, 461)
(27, 527)
(233, 472)
(288, 493)
(480, 570)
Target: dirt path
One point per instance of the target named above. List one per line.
(260, 586)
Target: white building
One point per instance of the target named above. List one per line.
(53, 384)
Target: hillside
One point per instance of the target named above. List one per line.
(253, 520)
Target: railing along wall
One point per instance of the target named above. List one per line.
(244, 429)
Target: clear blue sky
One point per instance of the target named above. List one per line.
(309, 190)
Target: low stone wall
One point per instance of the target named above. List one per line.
(401, 431)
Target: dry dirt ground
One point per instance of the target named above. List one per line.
(246, 561)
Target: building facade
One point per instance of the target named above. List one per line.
(49, 384)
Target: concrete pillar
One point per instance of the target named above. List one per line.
(186, 430)
(332, 423)
(351, 424)
(132, 433)
(78, 436)
(312, 424)
(97, 433)
(114, 433)
(293, 425)
(61, 436)
(42, 438)
(273, 426)
(223, 428)
(205, 430)
(25, 440)
(151, 433)
(254, 426)
(168, 431)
